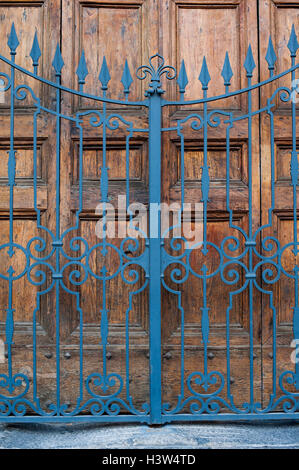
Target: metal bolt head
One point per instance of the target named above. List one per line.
(48, 355)
(168, 355)
(211, 355)
(232, 380)
(108, 355)
(67, 355)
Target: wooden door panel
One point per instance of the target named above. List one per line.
(123, 312)
(193, 29)
(25, 294)
(28, 17)
(95, 27)
(116, 161)
(276, 18)
(112, 29)
(205, 20)
(119, 31)
(239, 378)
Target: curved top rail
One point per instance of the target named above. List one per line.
(146, 102)
(71, 90)
(232, 93)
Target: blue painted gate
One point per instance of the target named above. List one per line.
(104, 396)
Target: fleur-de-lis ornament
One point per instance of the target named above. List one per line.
(155, 74)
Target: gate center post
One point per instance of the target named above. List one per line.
(155, 110)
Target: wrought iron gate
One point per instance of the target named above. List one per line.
(104, 396)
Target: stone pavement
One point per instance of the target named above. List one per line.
(181, 436)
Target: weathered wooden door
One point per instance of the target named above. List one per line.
(192, 31)
(257, 349)
(210, 328)
(23, 217)
(279, 203)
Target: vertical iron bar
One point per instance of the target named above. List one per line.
(155, 254)
(205, 325)
(37, 211)
(204, 199)
(294, 176)
(274, 321)
(180, 295)
(9, 331)
(57, 254)
(79, 211)
(295, 328)
(230, 223)
(11, 184)
(104, 199)
(130, 297)
(205, 175)
(294, 162)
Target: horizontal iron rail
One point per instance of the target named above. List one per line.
(78, 419)
(233, 417)
(227, 417)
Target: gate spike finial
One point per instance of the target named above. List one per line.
(104, 76)
(13, 41)
(227, 72)
(11, 271)
(271, 56)
(58, 62)
(35, 51)
(249, 63)
(204, 76)
(293, 42)
(82, 70)
(182, 79)
(126, 78)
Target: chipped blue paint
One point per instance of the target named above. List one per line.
(82, 70)
(35, 53)
(126, 79)
(182, 80)
(204, 76)
(58, 61)
(271, 56)
(293, 44)
(227, 72)
(249, 63)
(104, 76)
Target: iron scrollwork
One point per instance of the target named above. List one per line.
(56, 262)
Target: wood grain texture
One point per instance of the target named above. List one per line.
(135, 30)
(276, 18)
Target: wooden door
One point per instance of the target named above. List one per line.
(117, 31)
(279, 314)
(246, 356)
(136, 30)
(192, 31)
(29, 213)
